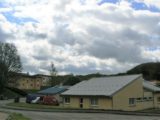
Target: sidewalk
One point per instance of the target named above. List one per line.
(3, 116)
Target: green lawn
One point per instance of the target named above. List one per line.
(33, 106)
(153, 110)
(16, 116)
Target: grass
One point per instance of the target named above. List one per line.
(17, 116)
(44, 107)
(33, 106)
(152, 110)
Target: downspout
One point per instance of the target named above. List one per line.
(112, 103)
(153, 101)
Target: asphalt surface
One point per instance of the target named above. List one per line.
(80, 116)
(34, 115)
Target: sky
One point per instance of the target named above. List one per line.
(82, 36)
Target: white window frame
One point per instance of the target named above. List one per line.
(132, 101)
(67, 100)
(94, 101)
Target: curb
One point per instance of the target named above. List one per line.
(83, 111)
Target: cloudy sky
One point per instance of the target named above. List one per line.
(82, 36)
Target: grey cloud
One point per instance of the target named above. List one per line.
(122, 53)
(31, 69)
(61, 5)
(41, 53)
(130, 18)
(41, 57)
(101, 41)
(90, 68)
(4, 36)
(36, 36)
(124, 45)
(62, 36)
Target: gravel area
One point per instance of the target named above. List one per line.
(3, 116)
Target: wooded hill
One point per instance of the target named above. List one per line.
(150, 71)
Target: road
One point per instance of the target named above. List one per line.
(77, 116)
(80, 116)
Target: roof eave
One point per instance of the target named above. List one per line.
(86, 95)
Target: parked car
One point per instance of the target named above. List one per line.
(50, 100)
(32, 98)
(35, 100)
(41, 99)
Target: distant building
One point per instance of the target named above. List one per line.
(128, 93)
(155, 82)
(28, 82)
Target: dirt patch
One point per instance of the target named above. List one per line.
(3, 116)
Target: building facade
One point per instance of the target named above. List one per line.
(128, 93)
(28, 82)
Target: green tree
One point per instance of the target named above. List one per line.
(53, 72)
(3, 76)
(72, 80)
(9, 63)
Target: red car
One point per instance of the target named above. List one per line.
(50, 100)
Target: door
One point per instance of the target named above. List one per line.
(81, 102)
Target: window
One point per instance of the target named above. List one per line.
(150, 98)
(67, 100)
(145, 98)
(81, 100)
(158, 99)
(139, 99)
(131, 101)
(94, 101)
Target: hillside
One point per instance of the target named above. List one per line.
(150, 71)
(8, 94)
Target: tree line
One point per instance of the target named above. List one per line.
(9, 62)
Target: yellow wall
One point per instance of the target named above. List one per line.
(103, 103)
(29, 83)
(148, 93)
(156, 102)
(120, 100)
(133, 90)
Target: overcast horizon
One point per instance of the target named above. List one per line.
(82, 36)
